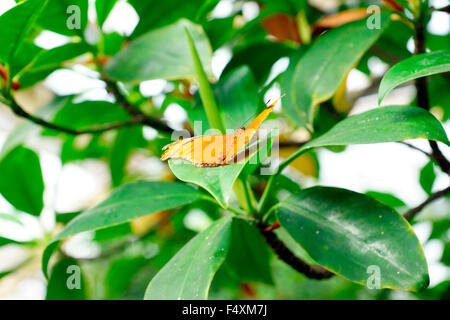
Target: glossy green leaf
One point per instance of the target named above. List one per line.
(412, 68)
(112, 43)
(249, 256)
(161, 53)
(67, 17)
(131, 201)
(204, 87)
(219, 31)
(103, 8)
(189, 273)
(116, 285)
(154, 14)
(237, 96)
(322, 68)
(127, 202)
(259, 57)
(352, 234)
(387, 124)
(427, 177)
(14, 25)
(5, 241)
(394, 40)
(66, 281)
(387, 198)
(21, 180)
(26, 52)
(87, 114)
(441, 102)
(218, 181)
(48, 61)
(80, 148)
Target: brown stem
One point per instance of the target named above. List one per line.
(135, 120)
(98, 129)
(134, 111)
(286, 255)
(422, 90)
(413, 212)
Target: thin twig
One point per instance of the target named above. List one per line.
(413, 212)
(417, 149)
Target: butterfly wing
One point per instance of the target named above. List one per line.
(215, 150)
(201, 151)
(243, 136)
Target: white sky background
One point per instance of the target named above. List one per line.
(388, 167)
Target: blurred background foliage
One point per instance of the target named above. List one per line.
(97, 76)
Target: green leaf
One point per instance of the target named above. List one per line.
(59, 15)
(66, 281)
(5, 241)
(412, 68)
(26, 52)
(348, 233)
(127, 202)
(189, 273)
(386, 124)
(161, 53)
(127, 139)
(259, 57)
(21, 180)
(247, 245)
(387, 198)
(154, 14)
(218, 181)
(88, 147)
(394, 40)
(441, 102)
(427, 177)
(324, 66)
(204, 87)
(14, 25)
(48, 61)
(112, 43)
(103, 8)
(237, 96)
(87, 114)
(219, 31)
(116, 284)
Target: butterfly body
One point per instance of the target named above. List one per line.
(215, 150)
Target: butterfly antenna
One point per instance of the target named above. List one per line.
(267, 105)
(229, 117)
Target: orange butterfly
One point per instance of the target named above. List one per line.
(215, 150)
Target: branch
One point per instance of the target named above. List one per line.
(422, 90)
(132, 110)
(136, 119)
(98, 129)
(286, 255)
(413, 212)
